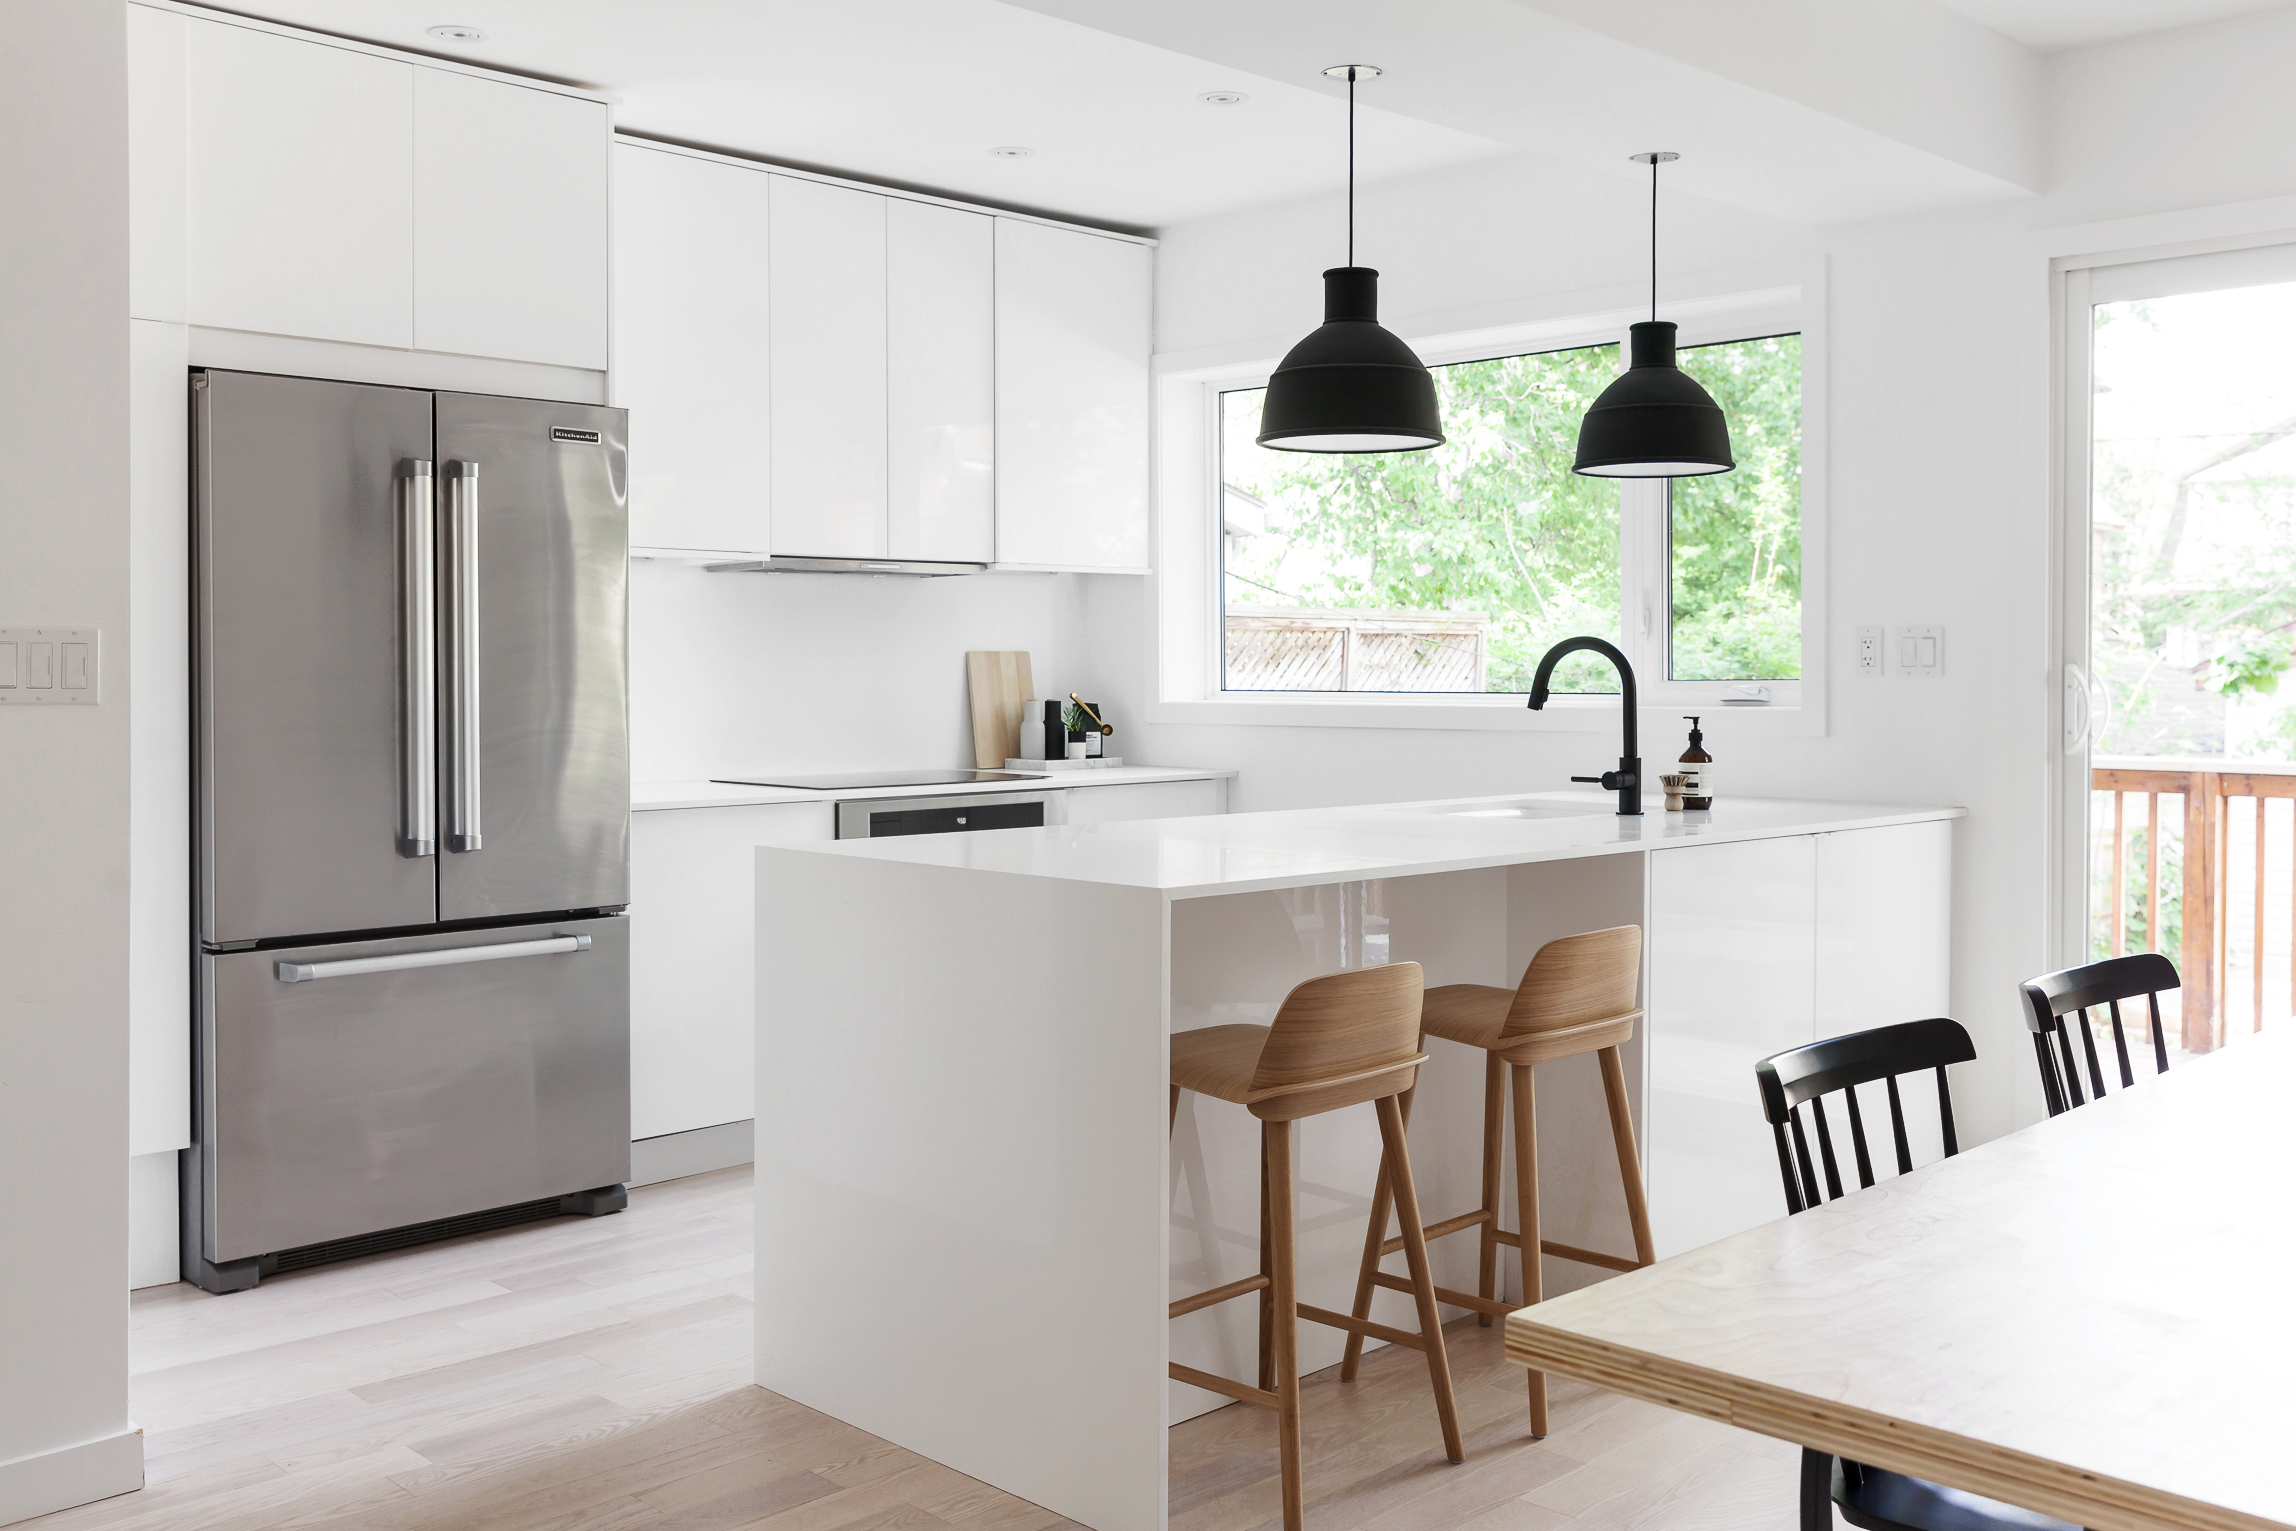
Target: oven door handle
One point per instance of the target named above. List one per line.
(350, 967)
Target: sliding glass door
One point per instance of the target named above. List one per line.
(2179, 584)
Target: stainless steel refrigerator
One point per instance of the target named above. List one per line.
(411, 767)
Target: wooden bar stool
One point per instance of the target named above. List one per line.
(1337, 1041)
(1577, 996)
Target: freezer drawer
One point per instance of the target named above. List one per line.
(343, 1095)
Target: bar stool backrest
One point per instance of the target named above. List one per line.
(2055, 1003)
(1577, 980)
(1801, 1075)
(1359, 1025)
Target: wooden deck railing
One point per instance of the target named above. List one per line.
(2217, 863)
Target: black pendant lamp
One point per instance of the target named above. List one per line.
(1654, 422)
(1351, 386)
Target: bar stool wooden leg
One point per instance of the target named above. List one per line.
(1422, 1275)
(1374, 1240)
(1277, 1136)
(1267, 1269)
(1527, 1214)
(1629, 1165)
(1494, 1113)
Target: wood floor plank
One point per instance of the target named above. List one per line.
(592, 1375)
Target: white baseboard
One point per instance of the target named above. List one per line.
(675, 1155)
(155, 1234)
(72, 1475)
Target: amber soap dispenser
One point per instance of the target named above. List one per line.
(1698, 791)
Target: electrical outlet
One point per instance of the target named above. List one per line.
(1870, 644)
(1921, 651)
(51, 666)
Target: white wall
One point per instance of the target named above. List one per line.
(734, 674)
(64, 1433)
(1939, 446)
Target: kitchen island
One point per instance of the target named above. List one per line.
(970, 1218)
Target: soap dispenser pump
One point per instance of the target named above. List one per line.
(1698, 791)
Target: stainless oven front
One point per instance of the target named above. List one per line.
(870, 818)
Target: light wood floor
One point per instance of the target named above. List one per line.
(592, 1375)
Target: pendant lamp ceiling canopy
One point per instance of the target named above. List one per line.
(1351, 385)
(1655, 421)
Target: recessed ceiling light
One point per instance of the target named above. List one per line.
(458, 34)
(1223, 98)
(1012, 151)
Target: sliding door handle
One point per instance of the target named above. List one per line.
(459, 632)
(452, 956)
(418, 661)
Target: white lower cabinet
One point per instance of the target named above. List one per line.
(693, 984)
(1758, 946)
(1146, 800)
(693, 1019)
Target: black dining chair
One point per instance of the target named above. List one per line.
(1869, 1497)
(2053, 1003)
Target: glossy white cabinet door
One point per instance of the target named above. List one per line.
(693, 1020)
(826, 288)
(1145, 800)
(158, 79)
(940, 425)
(510, 221)
(1732, 955)
(690, 335)
(1073, 341)
(301, 188)
(1884, 955)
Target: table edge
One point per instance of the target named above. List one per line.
(2014, 1477)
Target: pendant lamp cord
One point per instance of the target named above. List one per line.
(1351, 167)
(1653, 238)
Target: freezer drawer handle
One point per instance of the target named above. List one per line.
(418, 664)
(305, 972)
(460, 634)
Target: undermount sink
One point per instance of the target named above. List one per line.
(1525, 808)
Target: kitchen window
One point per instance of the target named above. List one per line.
(1453, 570)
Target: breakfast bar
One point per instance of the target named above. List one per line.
(973, 1208)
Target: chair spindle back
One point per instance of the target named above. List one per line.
(1802, 1075)
(2054, 1001)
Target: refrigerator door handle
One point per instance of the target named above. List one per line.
(418, 662)
(350, 967)
(460, 631)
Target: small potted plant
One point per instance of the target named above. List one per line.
(1074, 720)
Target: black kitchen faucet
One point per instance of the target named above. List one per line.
(1626, 781)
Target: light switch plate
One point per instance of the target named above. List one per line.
(50, 667)
(1871, 641)
(1921, 651)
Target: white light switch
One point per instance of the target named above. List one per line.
(1921, 651)
(50, 666)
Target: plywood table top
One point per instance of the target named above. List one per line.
(2094, 1318)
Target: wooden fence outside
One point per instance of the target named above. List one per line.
(2204, 816)
(1326, 648)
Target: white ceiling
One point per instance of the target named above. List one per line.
(2053, 24)
(918, 91)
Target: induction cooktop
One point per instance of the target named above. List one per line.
(839, 783)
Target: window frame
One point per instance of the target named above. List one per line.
(1185, 588)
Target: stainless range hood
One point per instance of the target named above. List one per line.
(783, 564)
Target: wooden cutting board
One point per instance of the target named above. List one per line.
(1000, 683)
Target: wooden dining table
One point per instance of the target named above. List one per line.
(2094, 1317)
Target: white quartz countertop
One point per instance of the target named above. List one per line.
(1244, 852)
(717, 794)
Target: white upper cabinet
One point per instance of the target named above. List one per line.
(690, 348)
(509, 221)
(290, 186)
(301, 188)
(826, 255)
(940, 424)
(1073, 341)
